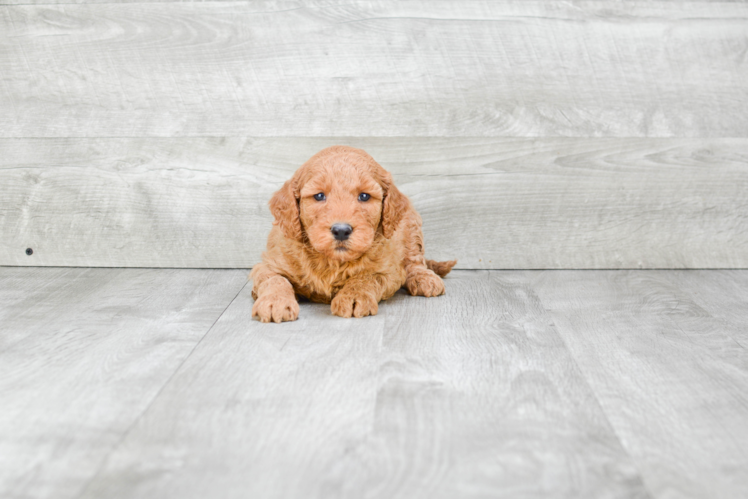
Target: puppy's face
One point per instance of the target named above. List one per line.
(337, 201)
(340, 208)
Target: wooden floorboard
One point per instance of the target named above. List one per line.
(83, 352)
(478, 397)
(514, 384)
(491, 203)
(374, 68)
(723, 295)
(472, 394)
(670, 374)
(257, 410)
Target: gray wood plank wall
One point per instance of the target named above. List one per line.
(594, 134)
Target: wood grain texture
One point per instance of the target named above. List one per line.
(83, 353)
(259, 410)
(375, 68)
(478, 397)
(489, 202)
(723, 295)
(470, 394)
(516, 383)
(671, 376)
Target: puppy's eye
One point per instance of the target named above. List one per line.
(364, 197)
(319, 196)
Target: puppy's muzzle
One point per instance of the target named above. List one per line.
(341, 231)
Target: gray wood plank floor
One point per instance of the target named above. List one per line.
(157, 383)
(651, 351)
(83, 353)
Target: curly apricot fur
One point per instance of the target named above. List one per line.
(383, 253)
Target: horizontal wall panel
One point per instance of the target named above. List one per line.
(489, 202)
(375, 68)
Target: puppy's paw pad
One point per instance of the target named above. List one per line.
(346, 305)
(275, 308)
(426, 284)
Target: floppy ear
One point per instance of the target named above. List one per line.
(394, 206)
(284, 205)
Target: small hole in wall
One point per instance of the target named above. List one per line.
(29, 251)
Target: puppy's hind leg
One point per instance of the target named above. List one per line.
(441, 268)
(420, 280)
(422, 276)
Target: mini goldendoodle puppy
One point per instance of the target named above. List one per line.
(343, 235)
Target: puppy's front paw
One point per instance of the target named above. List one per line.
(358, 305)
(425, 283)
(275, 308)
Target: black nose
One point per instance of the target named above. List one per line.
(341, 231)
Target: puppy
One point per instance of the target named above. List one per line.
(343, 235)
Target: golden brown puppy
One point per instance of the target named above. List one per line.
(343, 235)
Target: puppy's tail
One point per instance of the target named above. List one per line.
(441, 268)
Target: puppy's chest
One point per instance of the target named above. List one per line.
(321, 287)
(320, 281)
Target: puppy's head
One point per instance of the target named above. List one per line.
(339, 201)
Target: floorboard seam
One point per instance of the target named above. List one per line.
(603, 412)
(137, 419)
(613, 429)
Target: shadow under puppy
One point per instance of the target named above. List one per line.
(343, 235)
